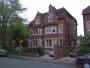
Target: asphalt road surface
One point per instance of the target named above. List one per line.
(22, 63)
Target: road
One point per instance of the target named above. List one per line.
(22, 63)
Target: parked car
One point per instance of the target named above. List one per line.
(51, 53)
(84, 60)
(3, 52)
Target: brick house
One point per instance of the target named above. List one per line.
(86, 19)
(55, 27)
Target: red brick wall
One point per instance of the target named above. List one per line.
(66, 35)
(60, 52)
(85, 19)
(29, 54)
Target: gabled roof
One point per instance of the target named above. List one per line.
(63, 12)
(31, 23)
(43, 15)
(86, 10)
(60, 13)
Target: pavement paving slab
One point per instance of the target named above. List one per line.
(28, 63)
(65, 61)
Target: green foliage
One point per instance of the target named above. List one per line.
(84, 46)
(18, 32)
(9, 13)
(26, 49)
(40, 51)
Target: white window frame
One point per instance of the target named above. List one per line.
(49, 30)
(54, 28)
(37, 20)
(48, 44)
(50, 18)
(35, 43)
(54, 41)
(60, 28)
(39, 31)
(88, 24)
(60, 42)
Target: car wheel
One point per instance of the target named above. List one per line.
(86, 65)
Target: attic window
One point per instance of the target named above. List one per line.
(37, 20)
(50, 18)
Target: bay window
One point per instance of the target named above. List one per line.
(60, 28)
(50, 29)
(38, 31)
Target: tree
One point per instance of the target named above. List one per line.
(17, 32)
(84, 46)
(9, 10)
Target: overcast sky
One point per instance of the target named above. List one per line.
(74, 7)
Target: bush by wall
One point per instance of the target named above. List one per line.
(40, 51)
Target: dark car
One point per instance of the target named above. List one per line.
(3, 52)
(83, 60)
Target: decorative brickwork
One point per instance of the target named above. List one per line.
(57, 26)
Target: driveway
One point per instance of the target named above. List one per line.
(47, 57)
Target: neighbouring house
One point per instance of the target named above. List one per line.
(86, 19)
(55, 27)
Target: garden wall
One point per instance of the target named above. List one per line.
(60, 52)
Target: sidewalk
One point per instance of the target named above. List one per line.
(65, 60)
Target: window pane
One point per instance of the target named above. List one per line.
(60, 29)
(50, 42)
(36, 31)
(50, 18)
(88, 26)
(53, 30)
(61, 42)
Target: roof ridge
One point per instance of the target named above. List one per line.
(86, 10)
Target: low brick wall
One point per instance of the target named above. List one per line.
(60, 52)
(29, 54)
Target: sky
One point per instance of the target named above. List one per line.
(74, 7)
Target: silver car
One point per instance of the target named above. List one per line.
(3, 52)
(51, 53)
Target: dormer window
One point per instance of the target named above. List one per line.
(50, 18)
(37, 20)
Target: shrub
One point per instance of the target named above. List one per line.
(40, 50)
(84, 46)
(26, 49)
